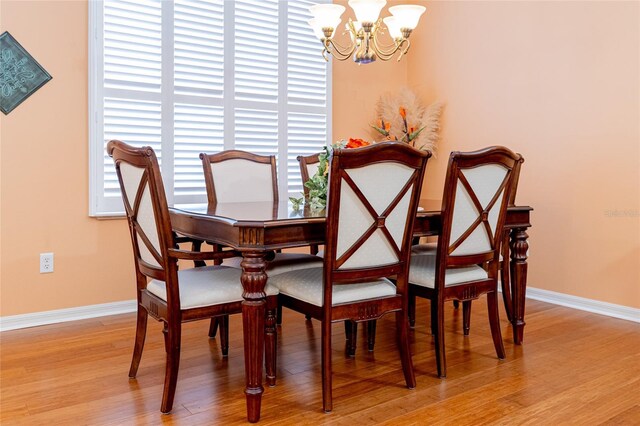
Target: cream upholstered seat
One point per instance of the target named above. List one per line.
(373, 199)
(474, 206)
(209, 285)
(169, 295)
(282, 262)
(422, 272)
(306, 285)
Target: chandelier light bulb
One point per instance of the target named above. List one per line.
(393, 26)
(407, 15)
(367, 10)
(327, 15)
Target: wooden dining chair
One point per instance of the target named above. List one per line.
(465, 266)
(163, 292)
(372, 203)
(308, 168)
(240, 176)
(504, 268)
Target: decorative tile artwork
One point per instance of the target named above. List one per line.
(20, 74)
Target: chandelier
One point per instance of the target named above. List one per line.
(365, 45)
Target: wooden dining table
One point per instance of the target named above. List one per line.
(258, 228)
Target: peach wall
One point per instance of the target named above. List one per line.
(559, 83)
(44, 176)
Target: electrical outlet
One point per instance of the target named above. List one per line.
(46, 263)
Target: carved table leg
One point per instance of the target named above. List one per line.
(253, 280)
(519, 248)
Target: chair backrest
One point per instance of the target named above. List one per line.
(372, 203)
(478, 188)
(146, 207)
(238, 176)
(308, 168)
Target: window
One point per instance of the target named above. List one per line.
(188, 76)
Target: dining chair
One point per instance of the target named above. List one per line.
(465, 266)
(372, 203)
(240, 176)
(308, 168)
(165, 293)
(504, 267)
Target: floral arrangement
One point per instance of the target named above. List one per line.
(402, 117)
(319, 183)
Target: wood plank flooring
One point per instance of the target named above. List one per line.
(574, 368)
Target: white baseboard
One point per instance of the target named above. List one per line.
(583, 304)
(15, 322)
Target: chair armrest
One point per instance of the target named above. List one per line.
(202, 255)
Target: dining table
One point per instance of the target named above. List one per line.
(256, 229)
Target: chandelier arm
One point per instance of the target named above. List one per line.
(333, 49)
(404, 52)
(385, 55)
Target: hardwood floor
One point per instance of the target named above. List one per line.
(574, 368)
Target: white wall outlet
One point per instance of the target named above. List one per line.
(46, 263)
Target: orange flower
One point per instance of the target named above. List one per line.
(387, 126)
(381, 124)
(356, 143)
(403, 112)
(411, 129)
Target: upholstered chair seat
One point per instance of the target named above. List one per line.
(306, 285)
(205, 286)
(422, 272)
(427, 248)
(283, 262)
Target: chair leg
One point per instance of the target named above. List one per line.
(141, 333)
(172, 347)
(279, 314)
(466, 316)
(327, 402)
(270, 344)
(217, 247)
(412, 309)
(351, 333)
(313, 249)
(196, 245)
(371, 334)
(494, 322)
(224, 334)
(434, 317)
(506, 288)
(307, 317)
(213, 327)
(440, 353)
(456, 304)
(402, 329)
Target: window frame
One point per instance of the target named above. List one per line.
(98, 203)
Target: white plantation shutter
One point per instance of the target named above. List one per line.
(191, 76)
(307, 80)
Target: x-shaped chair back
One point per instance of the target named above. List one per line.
(477, 191)
(373, 198)
(145, 205)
